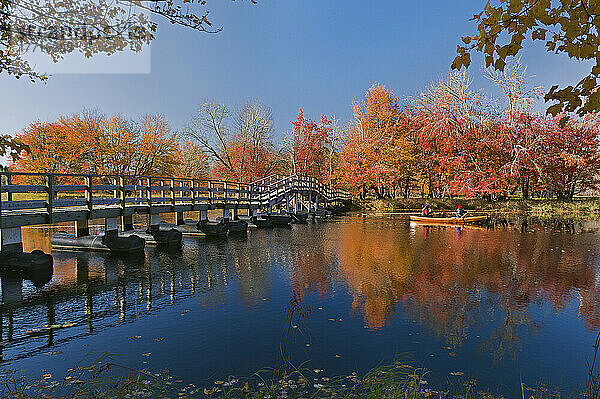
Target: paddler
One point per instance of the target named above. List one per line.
(425, 210)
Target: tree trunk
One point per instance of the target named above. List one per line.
(525, 188)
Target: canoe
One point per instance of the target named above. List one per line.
(453, 220)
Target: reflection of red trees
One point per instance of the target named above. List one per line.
(311, 272)
(448, 278)
(589, 307)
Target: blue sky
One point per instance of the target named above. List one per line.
(314, 54)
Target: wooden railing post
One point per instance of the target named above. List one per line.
(50, 193)
(9, 194)
(149, 193)
(116, 190)
(88, 194)
(173, 193)
(122, 194)
(193, 199)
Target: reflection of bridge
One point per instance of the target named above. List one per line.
(94, 292)
(41, 198)
(103, 291)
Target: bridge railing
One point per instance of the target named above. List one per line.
(37, 198)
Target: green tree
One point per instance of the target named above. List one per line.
(568, 27)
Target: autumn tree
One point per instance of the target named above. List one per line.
(520, 130)
(374, 143)
(192, 161)
(240, 148)
(570, 161)
(311, 144)
(91, 142)
(456, 139)
(568, 27)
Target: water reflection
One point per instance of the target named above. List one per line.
(448, 281)
(451, 278)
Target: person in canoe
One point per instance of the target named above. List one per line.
(460, 212)
(425, 211)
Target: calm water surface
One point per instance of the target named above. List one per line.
(505, 304)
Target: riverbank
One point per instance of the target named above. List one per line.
(578, 206)
(399, 379)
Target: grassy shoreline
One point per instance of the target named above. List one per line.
(396, 380)
(576, 207)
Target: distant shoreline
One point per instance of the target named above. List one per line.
(578, 206)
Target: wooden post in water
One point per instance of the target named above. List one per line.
(154, 222)
(82, 266)
(127, 222)
(82, 228)
(12, 290)
(111, 227)
(10, 239)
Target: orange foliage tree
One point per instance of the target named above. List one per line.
(311, 147)
(90, 142)
(377, 150)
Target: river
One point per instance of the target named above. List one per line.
(504, 305)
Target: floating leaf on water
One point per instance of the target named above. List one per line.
(47, 376)
(457, 373)
(219, 382)
(339, 319)
(331, 319)
(452, 354)
(135, 337)
(320, 308)
(210, 391)
(337, 356)
(294, 326)
(146, 354)
(307, 344)
(317, 371)
(159, 339)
